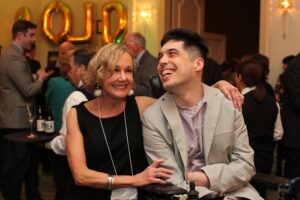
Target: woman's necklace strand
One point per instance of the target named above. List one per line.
(104, 135)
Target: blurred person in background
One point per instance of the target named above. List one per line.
(78, 61)
(262, 116)
(17, 88)
(291, 118)
(279, 96)
(145, 62)
(62, 57)
(278, 86)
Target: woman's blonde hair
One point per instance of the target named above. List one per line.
(103, 64)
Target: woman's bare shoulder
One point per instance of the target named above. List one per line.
(144, 102)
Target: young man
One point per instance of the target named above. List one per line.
(17, 88)
(194, 127)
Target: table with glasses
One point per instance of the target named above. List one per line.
(22, 136)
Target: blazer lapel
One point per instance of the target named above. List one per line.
(211, 117)
(171, 113)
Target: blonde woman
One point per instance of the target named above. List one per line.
(104, 139)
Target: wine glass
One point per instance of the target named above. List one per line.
(30, 115)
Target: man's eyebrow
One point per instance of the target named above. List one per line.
(172, 49)
(168, 50)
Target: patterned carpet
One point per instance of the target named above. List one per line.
(47, 188)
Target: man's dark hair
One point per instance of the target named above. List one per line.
(82, 57)
(190, 40)
(22, 26)
(286, 60)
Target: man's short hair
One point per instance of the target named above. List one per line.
(191, 40)
(140, 39)
(22, 26)
(82, 57)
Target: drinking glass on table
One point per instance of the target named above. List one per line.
(30, 115)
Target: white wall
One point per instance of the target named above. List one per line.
(274, 25)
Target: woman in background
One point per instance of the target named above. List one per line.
(261, 114)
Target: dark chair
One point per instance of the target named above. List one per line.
(288, 189)
(269, 181)
(156, 86)
(294, 189)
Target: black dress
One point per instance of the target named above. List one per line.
(97, 154)
(260, 120)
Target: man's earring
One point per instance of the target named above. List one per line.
(98, 91)
(130, 93)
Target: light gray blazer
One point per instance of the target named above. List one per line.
(16, 88)
(228, 156)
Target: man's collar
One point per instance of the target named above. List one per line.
(247, 89)
(80, 84)
(202, 101)
(18, 46)
(138, 58)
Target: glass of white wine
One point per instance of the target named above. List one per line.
(30, 115)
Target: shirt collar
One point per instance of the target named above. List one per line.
(247, 89)
(80, 84)
(196, 108)
(138, 58)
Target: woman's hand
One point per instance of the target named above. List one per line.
(152, 174)
(231, 93)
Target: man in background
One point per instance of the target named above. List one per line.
(62, 57)
(145, 63)
(291, 118)
(17, 88)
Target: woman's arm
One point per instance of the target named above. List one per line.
(76, 156)
(143, 103)
(229, 91)
(86, 177)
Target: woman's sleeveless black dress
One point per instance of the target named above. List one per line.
(97, 155)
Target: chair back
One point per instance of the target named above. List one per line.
(156, 86)
(294, 189)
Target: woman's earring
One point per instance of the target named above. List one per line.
(98, 91)
(131, 92)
